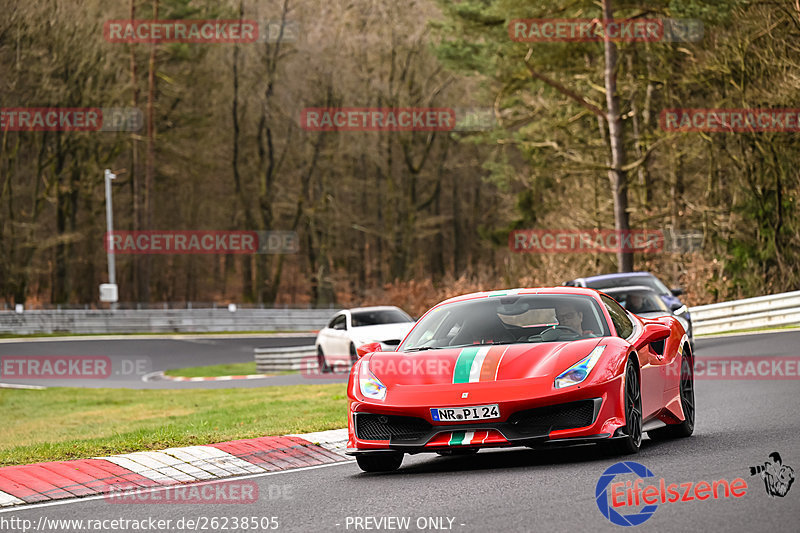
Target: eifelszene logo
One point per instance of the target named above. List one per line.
(632, 494)
(778, 477)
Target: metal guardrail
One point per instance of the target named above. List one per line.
(763, 311)
(290, 358)
(163, 321)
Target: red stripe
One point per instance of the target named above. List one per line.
(27, 487)
(54, 474)
(490, 362)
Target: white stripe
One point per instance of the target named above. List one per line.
(22, 387)
(224, 461)
(468, 437)
(140, 469)
(173, 462)
(334, 440)
(8, 499)
(193, 458)
(477, 364)
(151, 460)
(229, 461)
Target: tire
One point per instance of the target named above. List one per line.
(380, 462)
(630, 443)
(321, 362)
(353, 353)
(453, 453)
(685, 428)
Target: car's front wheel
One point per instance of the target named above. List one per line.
(380, 462)
(632, 439)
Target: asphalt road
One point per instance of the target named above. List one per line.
(739, 423)
(133, 358)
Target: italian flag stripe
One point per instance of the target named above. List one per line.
(477, 364)
(465, 438)
(456, 438)
(491, 362)
(464, 364)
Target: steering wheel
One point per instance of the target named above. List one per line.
(555, 333)
(567, 328)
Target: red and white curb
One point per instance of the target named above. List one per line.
(57, 480)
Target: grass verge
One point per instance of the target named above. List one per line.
(71, 423)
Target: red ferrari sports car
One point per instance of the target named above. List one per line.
(523, 367)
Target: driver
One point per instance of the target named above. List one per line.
(635, 303)
(569, 316)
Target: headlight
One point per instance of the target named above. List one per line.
(371, 386)
(681, 310)
(580, 370)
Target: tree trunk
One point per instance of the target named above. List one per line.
(151, 156)
(617, 176)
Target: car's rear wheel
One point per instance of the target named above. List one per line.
(321, 362)
(380, 462)
(632, 439)
(685, 428)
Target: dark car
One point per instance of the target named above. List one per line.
(645, 302)
(646, 279)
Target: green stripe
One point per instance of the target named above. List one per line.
(464, 364)
(457, 437)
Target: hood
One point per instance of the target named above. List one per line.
(479, 363)
(381, 332)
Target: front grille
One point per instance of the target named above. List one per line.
(543, 420)
(386, 427)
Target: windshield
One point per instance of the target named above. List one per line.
(638, 302)
(647, 281)
(382, 316)
(508, 320)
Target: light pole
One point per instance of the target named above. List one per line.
(109, 292)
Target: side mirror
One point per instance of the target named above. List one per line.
(676, 291)
(652, 333)
(363, 350)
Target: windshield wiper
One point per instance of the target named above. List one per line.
(421, 348)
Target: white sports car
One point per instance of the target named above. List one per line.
(348, 329)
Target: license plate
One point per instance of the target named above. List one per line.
(457, 414)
